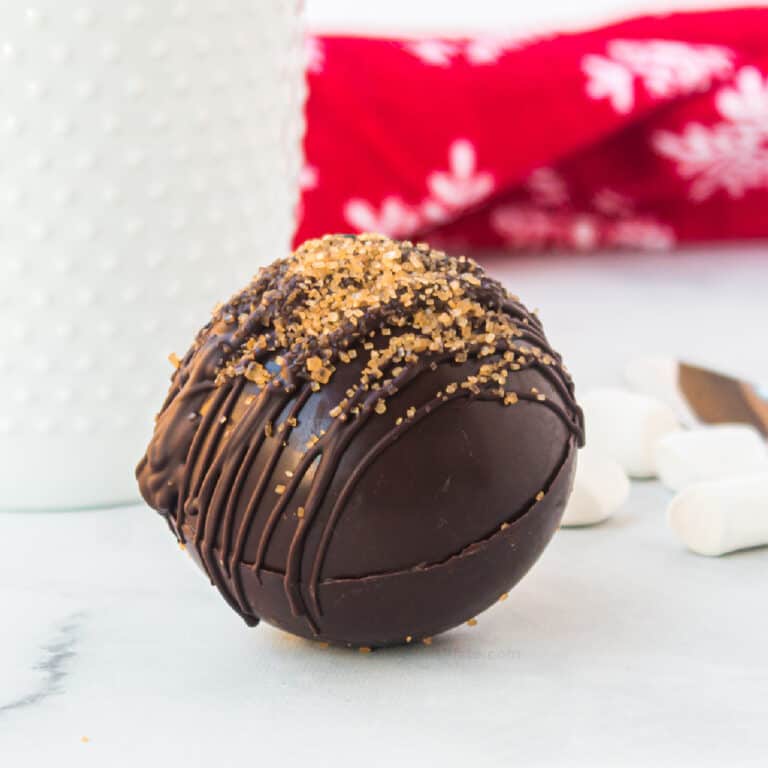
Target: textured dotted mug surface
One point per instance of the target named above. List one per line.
(149, 157)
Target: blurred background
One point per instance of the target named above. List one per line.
(606, 160)
(430, 16)
(609, 161)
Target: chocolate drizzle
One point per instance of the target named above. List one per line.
(385, 314)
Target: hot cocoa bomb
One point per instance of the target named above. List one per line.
(369, 445)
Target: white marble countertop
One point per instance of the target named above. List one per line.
(619, 648)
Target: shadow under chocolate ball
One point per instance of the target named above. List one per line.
(365, 509)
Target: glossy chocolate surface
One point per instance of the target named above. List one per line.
(357, 512)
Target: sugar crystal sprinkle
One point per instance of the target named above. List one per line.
(406, 346)
(394, 303)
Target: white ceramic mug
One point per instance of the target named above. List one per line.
(149, 157)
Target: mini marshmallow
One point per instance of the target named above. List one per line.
(626, 426)
(600, 488)
(709, 453)
(722, 516)
(658, 377)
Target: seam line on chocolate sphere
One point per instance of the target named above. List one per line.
(505, 528)
(291, 329)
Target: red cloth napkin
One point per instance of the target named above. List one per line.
(646, 133)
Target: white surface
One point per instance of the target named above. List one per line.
(435, 16)
(149, 159)
(720, 516)
(600, 488)
(706, 305)
(710, 453)
(626, 426)
(620, 648)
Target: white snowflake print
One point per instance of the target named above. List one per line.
(731, 155)
(434, 212)
(308, 177)
(547, 188)
(641, 233)
(526, 227)
(449, 193)
(314, 55)
(395, 218)
(437, 53)
(549, 220)
(488, 49)
(612, 203)
(607, 79)
(478, 51)
(747, 103)
(669, 67)
(666, 68)
(462, 185)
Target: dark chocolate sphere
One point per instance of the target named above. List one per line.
(369, 445)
